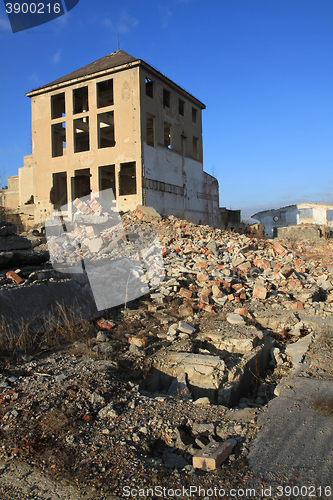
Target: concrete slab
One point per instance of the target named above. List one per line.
(296, 442)
(37, 302)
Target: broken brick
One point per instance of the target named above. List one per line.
(106, 324)
(14, 277)
(259, 292)
(183, 292)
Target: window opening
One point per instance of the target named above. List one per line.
(105, 93)
(167, 135)
(195, 148)
(329, 215)
(150, 130)
(127, 178)
(149, 88)
(305, 213)
(283, 216)
(105, 123)
(81, 134)
(80, 100)
(107, 181)
(181, 107)
(81, 183)
(194, 115)
(166, 98)
(58, 106)
(58, 193)
(58, 132)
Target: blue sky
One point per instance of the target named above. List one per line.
(263, 68)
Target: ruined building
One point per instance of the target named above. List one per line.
(303, 220)
(116, 123)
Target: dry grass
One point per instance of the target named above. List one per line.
(21, 339)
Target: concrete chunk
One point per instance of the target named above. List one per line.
(212, 456)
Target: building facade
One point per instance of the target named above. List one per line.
(294, 215)
(117, 123)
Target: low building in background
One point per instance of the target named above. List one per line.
(308, 220)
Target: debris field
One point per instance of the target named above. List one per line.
(166, 388)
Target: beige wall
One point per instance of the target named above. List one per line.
(11, 194)
(127, 147)
(178, 165)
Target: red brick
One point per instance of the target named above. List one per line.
(87, 417)
(243, 311)
(15, 277)
(202, 277)
(242, 296)
(106, 324)
(259, 292)
(203, 264)
(183, 292)
(280, 249)
(231, 297)
(297, 305)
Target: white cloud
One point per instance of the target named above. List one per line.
(165, 15)
(56, 57)
(5, 25)
(124, 24)
(35, 80)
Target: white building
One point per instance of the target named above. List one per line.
(293, 215)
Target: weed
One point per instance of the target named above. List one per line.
(18, 339)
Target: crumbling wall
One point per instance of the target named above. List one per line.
(305, 232)
(175, 185)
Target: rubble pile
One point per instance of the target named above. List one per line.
(179, 373)
(66, 411)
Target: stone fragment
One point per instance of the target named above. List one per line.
(185, 327)
(138, 341)
(107, 412)
(202, 429)
(185, 311)
(202, 402)
(102, 337)
(235, 319)
(212, 456)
